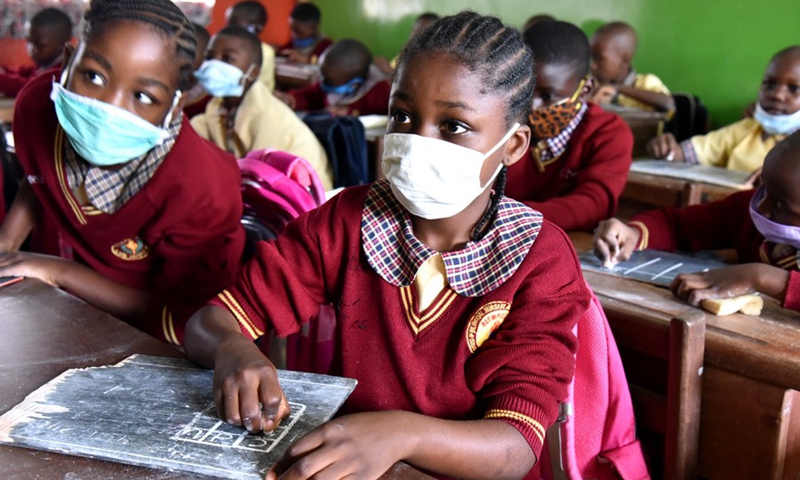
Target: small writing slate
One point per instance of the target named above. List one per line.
(159, 412)
(652, 266)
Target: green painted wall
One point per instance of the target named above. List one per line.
(716, 49)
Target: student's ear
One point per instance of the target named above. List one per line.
(69, 51)
(517, 145)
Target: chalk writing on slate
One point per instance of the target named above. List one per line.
(159, 412)
(652, 266)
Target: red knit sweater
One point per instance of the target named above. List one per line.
(12, 81)
(583, 186)
(518, 375)
(712, 226)
(319, 48)
(374, 102)
(186, 216)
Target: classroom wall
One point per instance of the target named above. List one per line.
(716, 49)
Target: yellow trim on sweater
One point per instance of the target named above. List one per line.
(499, 413)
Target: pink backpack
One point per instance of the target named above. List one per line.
(595, 435)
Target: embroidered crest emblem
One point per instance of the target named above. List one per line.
(485, 321)
(131, 249)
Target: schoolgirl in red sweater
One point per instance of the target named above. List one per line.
(150, 210)
(455, 305)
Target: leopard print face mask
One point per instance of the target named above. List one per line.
(549, 121)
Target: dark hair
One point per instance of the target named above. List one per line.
(252, 42)
(559, 43)
(161, 15)
(54, 18)
(792, 51)
(427, 17)
(306, 12)
(251, 11)
(201, 34)
(486, 46)
(351, 56)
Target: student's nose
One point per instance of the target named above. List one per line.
(116, 98)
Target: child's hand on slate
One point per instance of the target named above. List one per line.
(614, 242)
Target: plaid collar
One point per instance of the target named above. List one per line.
(396, 254)
(374, 77)
(109, 190)
(782, 256)
(550, 149)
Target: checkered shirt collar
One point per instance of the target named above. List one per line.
(109, 190)
(553, 148)
(396, 254)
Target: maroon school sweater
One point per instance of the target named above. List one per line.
(373, 102)
(430, 362)
(179, 238)
(583, 186)
(12, 81)
(712, 226)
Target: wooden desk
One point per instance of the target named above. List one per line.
(660, 191)
(750, 416)
(644, 124)
(44, 331)
(6, 109)
(289, 76)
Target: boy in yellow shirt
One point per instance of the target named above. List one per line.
(252, 16)
(613, 48)
(744, 145)
(244, 115)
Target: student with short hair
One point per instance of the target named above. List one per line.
(743, 145)
(455, 304)
(252, 16)
(350, 84)
(50, 29)
(307, 44)
(244, 115)
(580, 154)
(762, 225)
(196, 98)
(150, 210)
(613, 49)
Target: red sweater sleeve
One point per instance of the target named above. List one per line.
(12, 81)
(710, 226)
(792, 299)
(309, 98)
(375, 102)
(599, 181)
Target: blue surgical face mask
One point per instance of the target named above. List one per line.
(777, 124)
(103, 134)
(303, 42)
(222, 79)
(344, 89)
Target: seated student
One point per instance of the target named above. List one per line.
(49, 31)
(150, 210)
(350, 84)
(307, 44)
(244, 115)
(613, 48)
(455, 304)
(743, 145)
(195, 98)
(423, 21)
(252, 16)
(580, 154)
(762, 225)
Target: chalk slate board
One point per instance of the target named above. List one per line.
(159, 412)
(652, 266)
(698, 173)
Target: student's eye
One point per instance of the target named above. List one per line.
(95, 78)
(769, 84)
(455, 128)
(400, 118)
(793, 89)
(145, 98)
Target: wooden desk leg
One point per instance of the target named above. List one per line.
(748, 429)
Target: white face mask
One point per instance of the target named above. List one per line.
(777, 124)
(433, 178)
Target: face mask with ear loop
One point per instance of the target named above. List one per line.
(102, 134)
(549, 121)
(222, 79)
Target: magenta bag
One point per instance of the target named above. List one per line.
(595, 435)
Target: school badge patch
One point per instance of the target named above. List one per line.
(131, 249)
(485, 321)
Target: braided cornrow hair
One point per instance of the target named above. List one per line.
(163, 15)
(483, 44)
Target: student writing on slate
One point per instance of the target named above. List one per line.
(307, 44)
(455, 304)
(50, 29)
(150, 210)
(350, 84)
(244, 115)
(743, 145)
(762, 225)
(580, 154)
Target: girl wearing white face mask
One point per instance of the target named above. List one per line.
(150, 210)
(453, 301)
(762, 225)
(744, 145)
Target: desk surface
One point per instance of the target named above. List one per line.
(766, 348)
(46, 331)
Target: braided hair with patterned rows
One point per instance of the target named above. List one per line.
(483, 44)
(162, 15)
